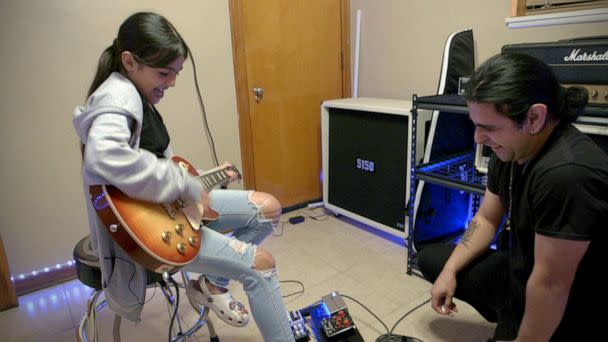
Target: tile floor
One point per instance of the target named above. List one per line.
(333, 254)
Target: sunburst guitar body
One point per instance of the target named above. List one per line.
(162, 237)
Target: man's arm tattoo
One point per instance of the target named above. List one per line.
(466, 237)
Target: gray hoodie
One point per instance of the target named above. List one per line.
(109, 125)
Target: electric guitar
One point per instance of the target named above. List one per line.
(161, 237)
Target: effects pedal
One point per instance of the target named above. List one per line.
(334, 317)
(298, 326)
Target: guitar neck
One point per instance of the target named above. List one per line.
(214, 177)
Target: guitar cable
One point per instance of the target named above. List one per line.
(203, 112)
(140, 302)
(170, 278)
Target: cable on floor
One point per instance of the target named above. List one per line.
(299, 292)
(389, 336)
(366, 308)
(321, 217)
(175, 309)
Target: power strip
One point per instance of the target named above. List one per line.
(314, 205)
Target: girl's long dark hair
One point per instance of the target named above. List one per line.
(514, 82)
(152, 40)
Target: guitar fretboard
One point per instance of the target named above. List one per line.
(214, 177)
(211, 180)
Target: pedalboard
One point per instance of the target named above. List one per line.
(332, 317)
(327, 320)
(298, 326)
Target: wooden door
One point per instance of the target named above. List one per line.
(8, 297)
(297, 52)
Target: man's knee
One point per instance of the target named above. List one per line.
(264, 261)
(431, 260)
(268, 204)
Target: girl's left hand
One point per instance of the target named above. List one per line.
(231, 173)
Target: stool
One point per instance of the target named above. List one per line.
(89, 273)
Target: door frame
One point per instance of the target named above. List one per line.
(8, 295)
(240, 78)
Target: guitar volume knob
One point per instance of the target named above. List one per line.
(181, 248)
(193, 240)
(166, 236)
(179, 228)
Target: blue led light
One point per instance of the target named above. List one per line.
(45, 269)
(100, 202)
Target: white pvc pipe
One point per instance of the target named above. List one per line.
(356, 68)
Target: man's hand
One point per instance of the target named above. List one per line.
(442, 293)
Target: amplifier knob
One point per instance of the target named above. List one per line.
(606, 95)
(594, 94)
(166, 236)
(181, 248)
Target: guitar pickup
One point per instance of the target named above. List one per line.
(170, 211)
(181, 203)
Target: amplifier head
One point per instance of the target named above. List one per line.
(581, 61)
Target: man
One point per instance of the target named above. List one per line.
(551, 181)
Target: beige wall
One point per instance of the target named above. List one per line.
(49, 54)
(402, 41)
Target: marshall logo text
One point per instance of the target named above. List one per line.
(577, 56)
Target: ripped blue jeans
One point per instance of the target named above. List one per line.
(222, 258)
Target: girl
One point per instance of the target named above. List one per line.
(126, 144)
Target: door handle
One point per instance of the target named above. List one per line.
(258, 93)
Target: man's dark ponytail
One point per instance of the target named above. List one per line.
(514, 82)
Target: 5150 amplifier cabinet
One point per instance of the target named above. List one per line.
(366, 149)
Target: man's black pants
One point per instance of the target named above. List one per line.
(484, 284)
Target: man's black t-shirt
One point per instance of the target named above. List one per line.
(563, 193)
